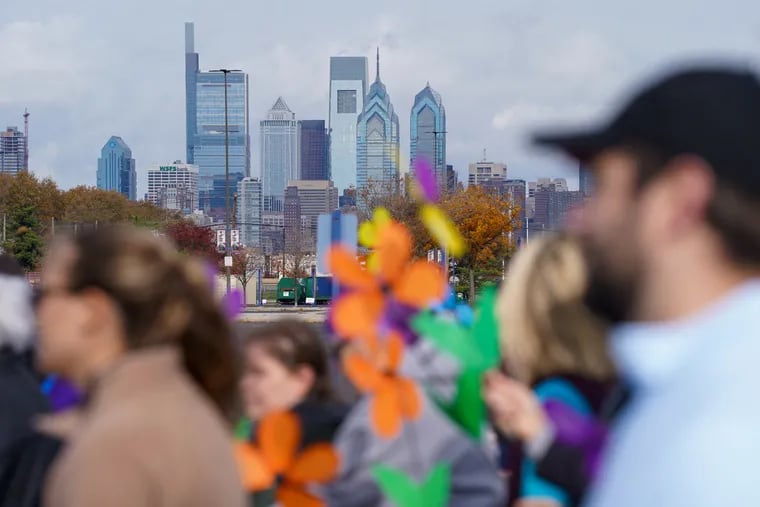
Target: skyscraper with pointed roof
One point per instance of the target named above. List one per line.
(116, 168)
(279, 154)
(377, 138)
(427, 132)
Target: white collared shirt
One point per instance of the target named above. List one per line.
(691, 434)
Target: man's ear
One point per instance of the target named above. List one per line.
(690, 186)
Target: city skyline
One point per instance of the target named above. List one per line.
(511, 68)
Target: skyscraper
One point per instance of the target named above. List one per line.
(249, 211)
(12, 151)
(348, 88)
(480, 172)
(452, 179)
(515, 192)
(377, 140)
(205, 128)
(316, 197)
(174, 186)
(427, 132)
(294, 234)
(585, 180)
(315, 150)
(116, 168)
(279, 154)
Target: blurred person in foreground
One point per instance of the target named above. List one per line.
(134, 324)
(552, 343)
(20, 395)
(25, 453)
(673, 240)
(286, 368)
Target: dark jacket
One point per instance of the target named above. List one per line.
(25, 455)
(20, 397)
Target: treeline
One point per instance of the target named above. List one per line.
(32, 210)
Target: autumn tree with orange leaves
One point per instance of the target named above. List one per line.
(485, 220)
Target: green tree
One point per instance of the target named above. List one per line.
(24, 243)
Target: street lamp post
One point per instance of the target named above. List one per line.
(435, 133)
(227, 231)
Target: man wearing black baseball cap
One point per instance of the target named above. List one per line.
(672, 234)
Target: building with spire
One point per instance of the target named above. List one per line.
(427, 132)
(377, 138)
(205, 128)
(279, 154)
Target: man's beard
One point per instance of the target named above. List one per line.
(611, 292)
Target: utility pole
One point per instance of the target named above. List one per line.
(227, 231)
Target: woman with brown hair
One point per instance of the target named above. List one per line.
(552, 343)
(135, 325)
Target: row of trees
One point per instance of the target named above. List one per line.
(33, 209)
(485, 220)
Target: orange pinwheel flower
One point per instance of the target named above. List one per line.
(279, 435)
(416, 284)
(373, 368)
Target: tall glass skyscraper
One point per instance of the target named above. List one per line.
(348, 88)
(249, 211)
(427, 132)
(279, 154)
(116, 168)
(315, 150)
(204, 107)
(377, 140)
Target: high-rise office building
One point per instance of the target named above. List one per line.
(515, 191)
(116, 168)
(551, 203)
(292, 220)
(279, 154)
(249, 211)
(348, 89)
(315, 150)
(585, 180)
(12, 151)
(377, 138)
(205, 128)
(481, 172)
(316, 197)
(174, 186)
(452, 179)
(427, 132)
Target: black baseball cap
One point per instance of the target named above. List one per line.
(711, 112)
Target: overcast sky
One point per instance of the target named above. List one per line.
(90, 69)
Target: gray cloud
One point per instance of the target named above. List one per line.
(87, 69)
